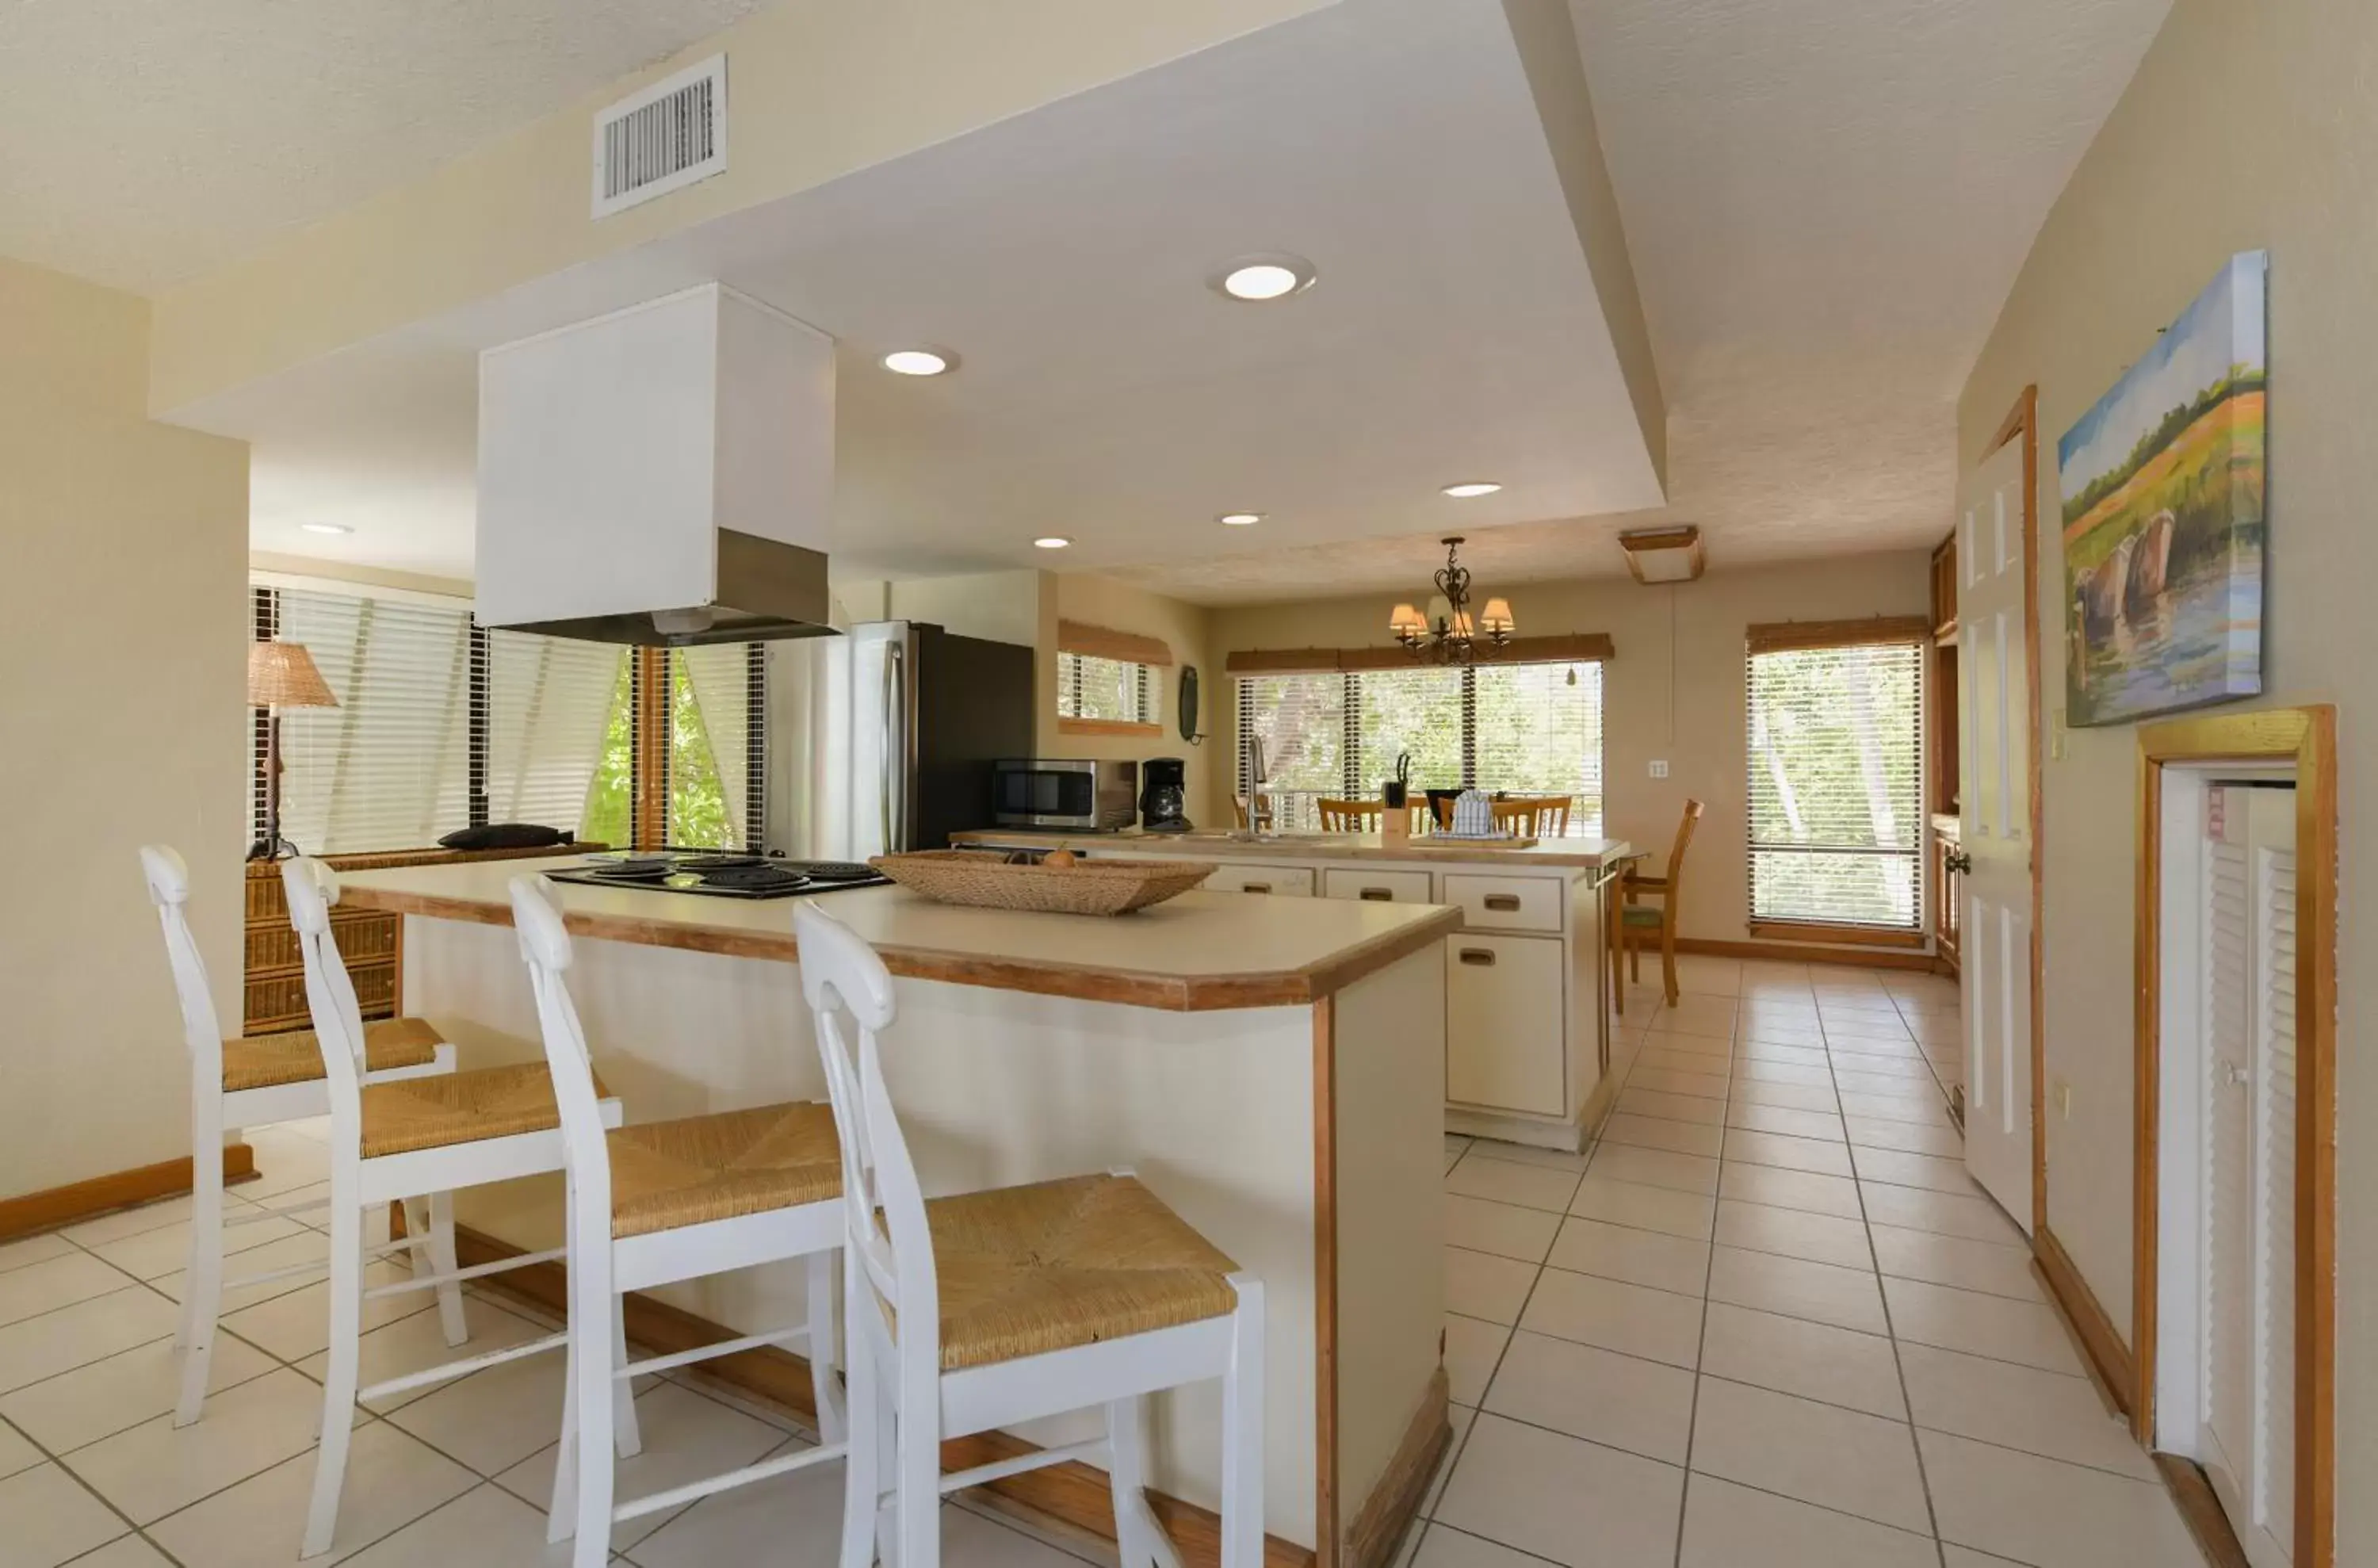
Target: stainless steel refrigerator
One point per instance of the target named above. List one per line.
(881, 740)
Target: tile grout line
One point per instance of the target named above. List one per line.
(1915, 1445)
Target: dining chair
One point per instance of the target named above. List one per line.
(252, 1082)
(656, 1204)
(403, 1142)
(1265, 817)
(1350, 816)
(1636, 921)
(1536, 816)
(979, 1312)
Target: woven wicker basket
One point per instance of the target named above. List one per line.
(1093, 887)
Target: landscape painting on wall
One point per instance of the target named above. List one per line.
(2162, 486)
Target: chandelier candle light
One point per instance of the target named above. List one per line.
(1448, 634)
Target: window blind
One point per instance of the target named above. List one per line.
(1836, 777)
(547, 703)
(1418, 710)
(388, 768)
(1113, 691)
(1511, 728)
(1537, 730)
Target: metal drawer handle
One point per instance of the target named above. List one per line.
(1254, 888)
(1505, 903)
(1379, 894)
(1478, 955)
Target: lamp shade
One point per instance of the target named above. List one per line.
(1407, 621)
(1497, 617)
(282, 675)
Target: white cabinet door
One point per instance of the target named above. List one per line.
(1994, 742)
(2247, 1169)
(1375, 886)
(1507, 903)
(1505, 1046)
(1293, 881)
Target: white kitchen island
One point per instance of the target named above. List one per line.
(1526, 1008)
(1271, 1070)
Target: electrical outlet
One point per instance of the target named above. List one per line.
(2061, 1091)
(1659, 770)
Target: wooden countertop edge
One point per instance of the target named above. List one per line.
(1164, 993)
(1545, 856)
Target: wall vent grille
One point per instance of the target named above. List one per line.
(668, 137)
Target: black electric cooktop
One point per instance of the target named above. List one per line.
(721, 876)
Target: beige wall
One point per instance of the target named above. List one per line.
(122, 675)
(1674, 691)
(2247, 127)
(1187, 628)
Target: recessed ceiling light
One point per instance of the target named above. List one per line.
(918, 361)
(1050, 541)
(1470, 488)
(1270, 276)
(1241, 519)
(326, 527)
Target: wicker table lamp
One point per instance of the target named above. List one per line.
(279, 675)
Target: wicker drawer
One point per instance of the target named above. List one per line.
(363, 936)
(276, 1002)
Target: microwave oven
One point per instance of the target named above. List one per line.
(1079, 793)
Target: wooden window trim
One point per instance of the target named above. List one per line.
(1106, 727)
(1800, 636)
(1842, 936)
(649, 728)
(1572, 647)
(1103, 641)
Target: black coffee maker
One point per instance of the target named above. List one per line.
(1164, 795)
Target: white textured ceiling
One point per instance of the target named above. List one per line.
(143, 143)
(1104, 392)
(1827, 202)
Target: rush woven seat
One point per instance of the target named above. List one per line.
(1024, 1270)
(665, 1174)
(432, 1113)
(261, 1061)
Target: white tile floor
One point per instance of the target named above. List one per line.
(1767, 1321)
(1764, 1322)
(92, 1473)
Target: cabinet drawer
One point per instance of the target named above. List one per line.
(1507, 903)
(1291, 881)
(1375, 887)
(1504, 1045)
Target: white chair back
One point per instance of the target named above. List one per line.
(545, 947)
(313, 890)
(169, 888)
(842, 978)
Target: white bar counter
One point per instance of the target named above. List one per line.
(1274, 1070)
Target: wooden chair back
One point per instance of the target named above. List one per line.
(1685, 826)
(1540, 817)
(1350, 816)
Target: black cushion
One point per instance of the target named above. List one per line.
(505, 836)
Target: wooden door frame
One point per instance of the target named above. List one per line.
(2023, 422)
(2305, 738)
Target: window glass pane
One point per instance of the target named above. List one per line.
(1302, 721)
(1417, 711)
(708, 746)
(1538, 732)
(610, 814)
(549, 706)
(1835, 785)
(1117, 691)
(388, 768)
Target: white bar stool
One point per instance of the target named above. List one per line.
(397, 1142)
(664, 1201)
(1011, 1305)
(258, 1081)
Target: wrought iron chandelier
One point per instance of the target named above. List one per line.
(1448, 634)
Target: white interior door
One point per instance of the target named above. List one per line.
(1994, 744)
(2247, 1196)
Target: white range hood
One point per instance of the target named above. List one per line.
(661, 474)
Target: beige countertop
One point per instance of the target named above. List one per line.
(1199, 952)
(1587, 854)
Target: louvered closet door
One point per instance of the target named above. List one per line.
(2248, 1445)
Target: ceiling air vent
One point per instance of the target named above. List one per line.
(668, 136)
